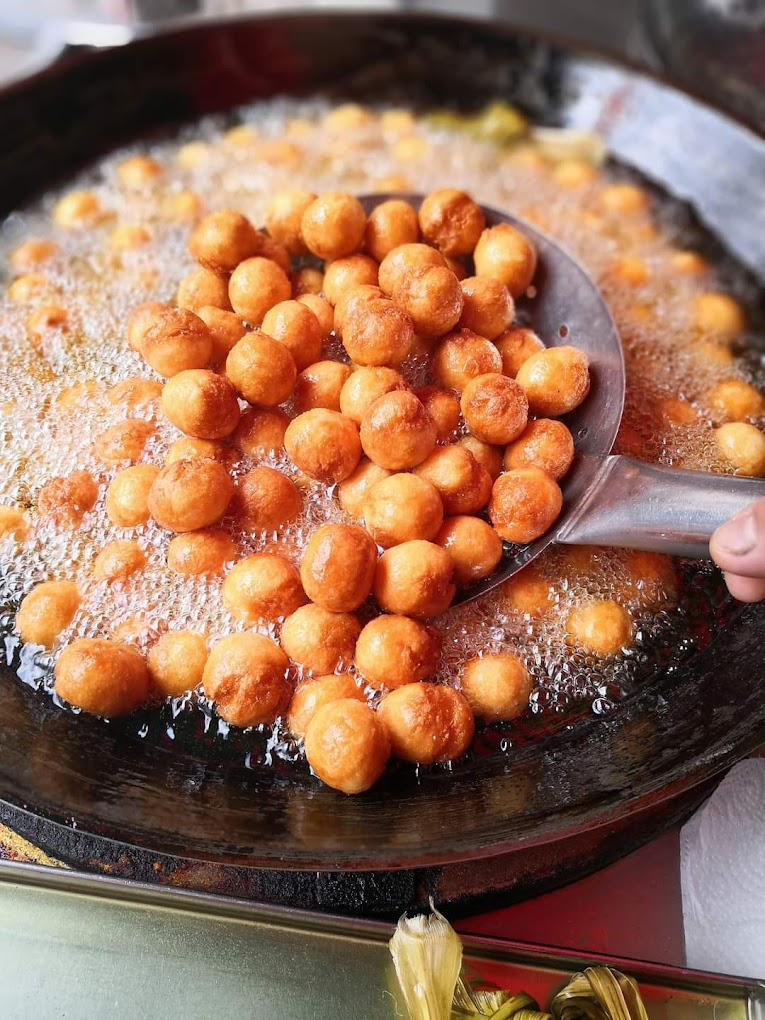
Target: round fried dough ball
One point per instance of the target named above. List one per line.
(225, 328)
(348, 117)
(495, 408)
(600, 626)
(200, 287)
(45, 319)
(260, 431)
(351, 301)
(713, 351)
(352, 491)
(742, 446)
(268, 248)
(734, 400)
(343, 275)
(102, 677)
(487, 307)
(427, 723)
(138, 171)
(201, 404)
(402, 507)
(397, 432)
(333, 225)
(256, 285)
(415, 579)
(677, 411)
(442, 406)
(265, 499)
(463, 485)
(191, 448)
(77, 209)
(201, 552)
(261, 369)
(190, 494)
(391, 224)
(377, 332)
(32, 253)
(246, 676)
(689, 263)
(433, 298)
(284, 214)
(323, 311)
(338, 567)
(366, 385)
(12, 522)
(318, 640)
(396, 650)
(28, 287)
(623, 198)
(719, 315)
(177, 661)
(528, 592)
(325, 444)
(320, 385)
(507, 255)
(118, 561)
(294, 325)
(452, 221)
(312, 695)
(346, 745)
(473, 545)
(127, 498)
(497, 687)
(264, 586)
(650, 577)
(461, 356)
(525, 502)
(488, 456)
(176, 340)
(404, 260)
(67, 499)
(46, 611)
(545, 444)
(222, 240)
(124, 441)
(140, 319)
(306, 280)
(555, 380)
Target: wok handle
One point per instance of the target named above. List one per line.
(645, 506)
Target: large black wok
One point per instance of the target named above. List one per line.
(671, 735)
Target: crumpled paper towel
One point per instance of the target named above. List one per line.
(722, 871)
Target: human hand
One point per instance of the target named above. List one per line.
(738, 548)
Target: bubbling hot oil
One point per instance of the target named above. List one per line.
(57, 402)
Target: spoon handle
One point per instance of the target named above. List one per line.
(644, 506)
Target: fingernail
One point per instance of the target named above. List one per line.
(739, 535)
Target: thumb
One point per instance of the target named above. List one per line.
(738, 547)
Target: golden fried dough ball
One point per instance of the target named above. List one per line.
(396, 650)
(677, 411)
(185, 205)
(312, 695)
(201, 552)
(348, 117)
(689, 263)
(201, 404)
(743, 447)
(77, 209)
(338, 567)
(118, 561)
(734, 400)
(427, 723)
(415, 579)
(79, 395)
(402, 507)
(487, 307)
(284, 214)
(320, 385)
(29, 287)
(200, 287)
(264, 586)
(140, 319)
(432, 296)
(473, 545)
(528, 592)
(442, 406)
(261, 369)
(525, 502)
(246, 676)
(242, 136)
(46, 611)
(574, 173)
(497, 687)
(294, 325)
(351, 301)
(324, 444)
(461, 356)
(191, 448)
(32, 253)
(390, 225)
(318, 640)
(193, 154)
(124, 441)
(719, 315)
(260, 431)
(222, 240)
(397, 122)
(12, 522)
(366, 385)
(333, 225)
(127, 497)
(190, 494)
(176, 340)
(44, 320)
(376, 332)
(265, 499)
(323, 311)
(402, 261)
(306, 280)
(128, 237)
(346, 745)
(488, 456)
(507, 255)
(650, 577)
(451, 221)
(102, 677)
(545, 444)
(138, 171)
(463, 485)
(555, 380)
(600, 626)
(352, 491)
(397, 432)
(268, 248)
(495, 408)
(177, 661)
(256, 285)
(714, 351)
(623, 198)
(343, 275)
(67, 499)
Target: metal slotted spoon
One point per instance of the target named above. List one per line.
(608, 499)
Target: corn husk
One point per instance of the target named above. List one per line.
(427, 956)
(498, 123)
(599, 994)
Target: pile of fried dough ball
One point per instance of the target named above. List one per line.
(433, 503)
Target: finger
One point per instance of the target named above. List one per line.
(738, 546)
(746, 589)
